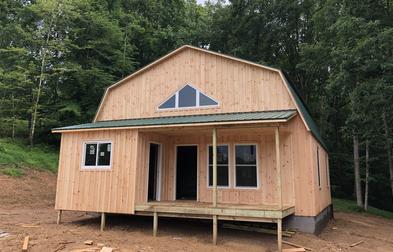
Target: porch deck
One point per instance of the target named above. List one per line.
(204, 210)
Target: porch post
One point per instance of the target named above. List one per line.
(214, 167)
(278, 167)
(215, 228)
(279, 234)
(155, 223)
(102, 221)
(215, 219)
(59, 216)
(278, 188)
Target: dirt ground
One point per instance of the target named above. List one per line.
(27, 208)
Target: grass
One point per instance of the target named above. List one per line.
(15, 155)
(349, 206)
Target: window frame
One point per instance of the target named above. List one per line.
(96, 167)
(327, 170)
(256, 164)
(229, 186)
(319, 170)
(197, 105)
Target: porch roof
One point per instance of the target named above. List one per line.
(240, 117)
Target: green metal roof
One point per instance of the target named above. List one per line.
(305, 112)
(172, 120)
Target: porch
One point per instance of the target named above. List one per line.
(270, 200)
(224, 211)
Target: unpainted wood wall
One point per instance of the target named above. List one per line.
(118, 189)
(310, 200)
(265, 194)
(237, 86)
(298, 160)
(111, 191)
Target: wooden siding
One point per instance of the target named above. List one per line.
(264, 195)
(237, 86)
(298, 161)
(309, 199)
(322, 192)
(109, 191)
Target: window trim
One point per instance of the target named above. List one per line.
(256, 163)
(197, 105)
(159, 170)
(229, 186)
(96, 167)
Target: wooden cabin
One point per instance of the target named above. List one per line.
(199, 134)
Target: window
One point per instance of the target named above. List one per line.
(319, 171)
(222, 165)
(97, 155)
(188, 97)
(327, 170)
(246, 165)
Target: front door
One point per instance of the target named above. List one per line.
(186, 172)
(154, 159)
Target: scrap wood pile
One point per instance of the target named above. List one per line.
(100, 247)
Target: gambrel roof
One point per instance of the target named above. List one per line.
(301, 107)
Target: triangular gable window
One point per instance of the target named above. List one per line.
(188, 97)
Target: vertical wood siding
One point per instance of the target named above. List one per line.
(264, 195)
(298, 161)
(235, 85)
(109, 191)
(309, 199)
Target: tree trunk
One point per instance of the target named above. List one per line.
(367, 176)
(40, 81)
(358, 185)
(13, 116)
(389, 150)
(37, 98)
(124, 52)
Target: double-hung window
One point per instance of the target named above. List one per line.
(222, 165)
(97, 155)
(246, 165)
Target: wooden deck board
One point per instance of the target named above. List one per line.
(224, 211)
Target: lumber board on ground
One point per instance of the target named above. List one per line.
(25, 243)
(296, 245)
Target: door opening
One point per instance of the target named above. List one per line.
(186, 172)
(154, 165)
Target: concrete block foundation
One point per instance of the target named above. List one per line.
(310, 224)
